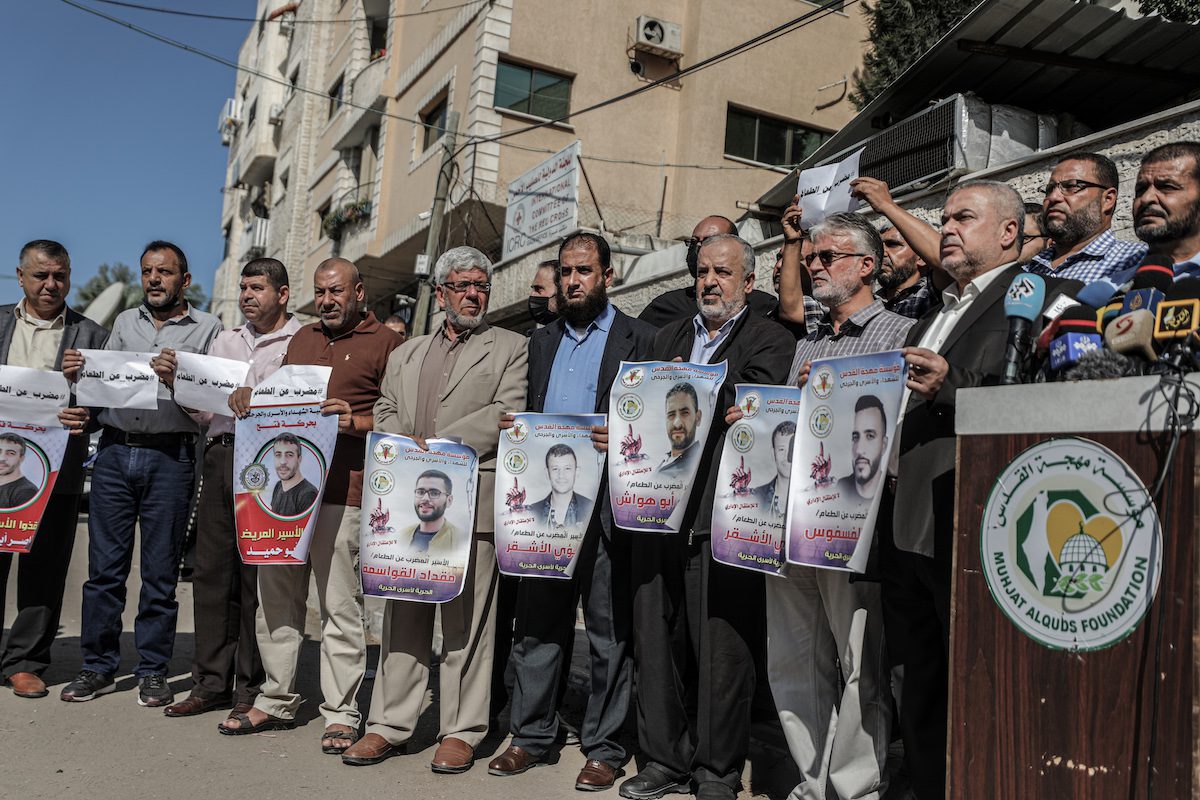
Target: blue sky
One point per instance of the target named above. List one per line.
(109, 138)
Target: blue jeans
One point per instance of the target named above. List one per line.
(132, 485)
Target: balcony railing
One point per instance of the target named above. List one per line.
(254, 241)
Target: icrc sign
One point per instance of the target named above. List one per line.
(543, 204)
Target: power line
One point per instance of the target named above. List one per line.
(226, 18)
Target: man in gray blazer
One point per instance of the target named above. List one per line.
(34, 333)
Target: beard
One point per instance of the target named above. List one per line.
(896, 277)
(463, 322)
(723, 310)
(1073, 228)
(581, 312)
(1170, 228)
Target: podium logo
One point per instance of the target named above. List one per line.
(1071, 545)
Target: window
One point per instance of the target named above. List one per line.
(377, 38)
(532, 91)
(434, 121)
(322, 213)
(293, 82)
(251, 115)
(228, 231)
(336, 93)
(769, 140)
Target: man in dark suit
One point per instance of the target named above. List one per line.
(563, 507)
(34, 333)
(695, 619)
(959, 345)
(772, 496)
(572, 365)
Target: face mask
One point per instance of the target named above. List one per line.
(539, 310)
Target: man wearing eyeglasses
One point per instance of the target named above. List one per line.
(1077, 214)
(454, 383)
(433, 534)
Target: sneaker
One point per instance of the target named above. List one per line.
(153, 691)
(88, 685)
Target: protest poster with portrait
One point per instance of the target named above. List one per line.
(32, 444)
(847, 431)
(418, 517)
(281, 453)
(659, 417)
(547, 482)
(754, 479)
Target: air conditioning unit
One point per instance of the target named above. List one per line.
(276, 116)
(659, 37)
(229, 120)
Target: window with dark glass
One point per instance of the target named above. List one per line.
(769, 140)
(434, 120)
(336, 95)
(532, 91)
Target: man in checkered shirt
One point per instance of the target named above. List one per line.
(1077, 213)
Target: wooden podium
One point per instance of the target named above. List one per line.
(1028, 721)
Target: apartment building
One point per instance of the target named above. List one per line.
(336, 129)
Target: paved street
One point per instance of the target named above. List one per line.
(113, 748)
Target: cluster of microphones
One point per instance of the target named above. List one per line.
(1153, 328)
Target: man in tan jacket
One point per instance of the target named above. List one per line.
(456, 382)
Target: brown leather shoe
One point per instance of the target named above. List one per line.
(192, 705)
(512, 761)
(26, 684)
(370, 749)
(596, 776)
(452, 756)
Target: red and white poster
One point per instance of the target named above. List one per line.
(281, 455)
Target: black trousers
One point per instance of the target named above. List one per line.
(542, 649)
(916, 619)
(41, 578)
(696, 624)
(225, 592)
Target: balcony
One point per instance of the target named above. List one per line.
(256, 153)
(367, 92)
(255, 237)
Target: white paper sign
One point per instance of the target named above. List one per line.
(293, 383)
(33, 395)
(204, 383)
(117, 379)
(826, 190)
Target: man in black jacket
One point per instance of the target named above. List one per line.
(695, 619)
(573, 362)
(959, 345)
(34, 333)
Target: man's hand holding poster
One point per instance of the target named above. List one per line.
(204, 382)
(418, 517)
(754, 478)
(846, 431)
(547, 479)
(118, 379)
(32, 444)
(659, 417)
(281, 452)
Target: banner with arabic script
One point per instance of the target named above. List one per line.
(847, 431)
(547, 481)
(754, 478)
(659, 417)
(281, 454)
(30, 457)
(118, 379)
(418, 518)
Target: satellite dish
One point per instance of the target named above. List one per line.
(110, 302)
(653, 32)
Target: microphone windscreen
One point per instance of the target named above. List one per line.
(1025, 297)
(1078, 319)
(1100, 365)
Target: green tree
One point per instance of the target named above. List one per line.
(1173, 10)
(901, 31)
(118, 272)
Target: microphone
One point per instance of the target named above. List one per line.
(1100, 365)
(1022, 305)
(1153, 279)
(1076, 337)
(1176, 322)
(1132, 334)
(1096, 293)
(1110, 312)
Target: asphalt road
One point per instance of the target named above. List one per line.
(111, 747)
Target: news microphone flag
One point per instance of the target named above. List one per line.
(1022, 305)
(1067, 349)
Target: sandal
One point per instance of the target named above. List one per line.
(349, 737)
(245, 726)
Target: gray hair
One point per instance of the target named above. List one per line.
(867, 240)
(460, 259)
(52, 250)
(1004, 199)
(747, 249)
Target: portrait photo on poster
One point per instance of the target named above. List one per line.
(24, 467)
(295, 471)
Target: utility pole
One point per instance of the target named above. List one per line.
(434, 235)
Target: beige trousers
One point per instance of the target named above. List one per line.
(282, 608)
(468, 631)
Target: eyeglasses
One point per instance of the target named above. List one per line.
(432, 494)
(1032, 237)
(461, 287)
(827, 257)
(1071, 187)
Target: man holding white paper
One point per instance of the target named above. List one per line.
(141, 480)
(227, 666)
(34, 334)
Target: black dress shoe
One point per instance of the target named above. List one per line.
(654, 782)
